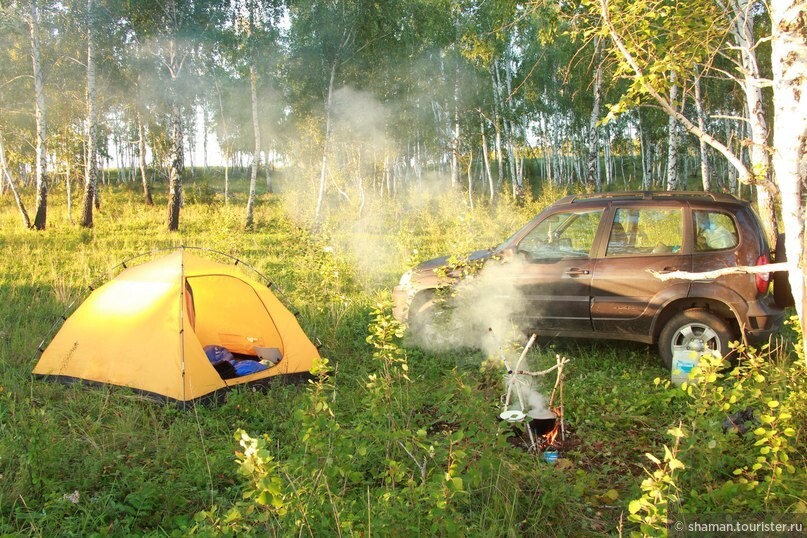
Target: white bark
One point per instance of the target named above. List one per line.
(455, 140)
(6, 177)
(225, 147)
(325, 145)
(497, 119)
(177, 150)
(518, 185)
(593, 176)
(666, 105)
(141, 145)
(672, 138)
(40, 218)
(742, 31)
(256, 157)
(488, 172)
(705, 172)
(789, 61)
(91, 169)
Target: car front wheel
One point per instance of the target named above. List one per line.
(693, 330)
(422, 317)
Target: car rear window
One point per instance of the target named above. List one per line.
(640, 231)
(714, 231)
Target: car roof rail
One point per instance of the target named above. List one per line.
(649, 195)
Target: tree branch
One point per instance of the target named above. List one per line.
(711, 275)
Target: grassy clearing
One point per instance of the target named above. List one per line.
(395, 441)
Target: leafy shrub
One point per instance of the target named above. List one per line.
(736, 448)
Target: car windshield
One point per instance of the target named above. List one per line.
(504, 244)
(562, 235)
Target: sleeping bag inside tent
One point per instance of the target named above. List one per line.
(161, 328)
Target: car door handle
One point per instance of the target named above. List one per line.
(576, 271)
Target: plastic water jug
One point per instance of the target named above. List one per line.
(684, 360)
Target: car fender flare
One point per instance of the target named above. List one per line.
(717, 299)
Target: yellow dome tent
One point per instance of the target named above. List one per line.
(147, 328)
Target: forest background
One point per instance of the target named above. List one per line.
(495, 96)
(468, 115)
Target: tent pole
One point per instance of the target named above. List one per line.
(182, 300)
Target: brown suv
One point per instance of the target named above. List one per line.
(581, 268)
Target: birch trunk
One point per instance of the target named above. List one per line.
(325, 145)
(508, 134)
(225, 147)
(91, 169)
(668, 107)
(644, 147)
(176, 152)
(6, 177)
(672, 139)
(608, 160)
(206, 128)
(704, 155)
(68, 189)
(40, 217)
(470, 180)
(267, 171)
(189, 128)
(593, 177)
(743, 33)
(176, 166)
(455, 142)
(141, 146)
(488, 173)
(497, 118)
(789, 60)
(256, 157)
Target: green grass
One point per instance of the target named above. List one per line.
(367, 450)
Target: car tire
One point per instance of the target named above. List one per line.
(421, 317)
(782, 294)
(696, 330)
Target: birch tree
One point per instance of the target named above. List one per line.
(593, 176)
(672, 138)
(6, 179)
(740, 14)
(91, 173)
(704, 155)
(256, 154)
(652, 37)
(181, 30)
(789, 59)
(141, 159)
(40, 215)
(173, 62)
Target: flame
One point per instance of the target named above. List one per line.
(548, 439)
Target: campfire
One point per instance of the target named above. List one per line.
(546, 429)
(522, 401)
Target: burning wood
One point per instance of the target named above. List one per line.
(548, 439)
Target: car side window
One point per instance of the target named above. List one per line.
(562, 235)
(714, 231)
(645, 231)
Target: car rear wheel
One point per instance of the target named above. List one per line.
(693, 330)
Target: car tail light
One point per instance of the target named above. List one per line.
(762, 279)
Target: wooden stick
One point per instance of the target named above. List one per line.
(711, 275)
